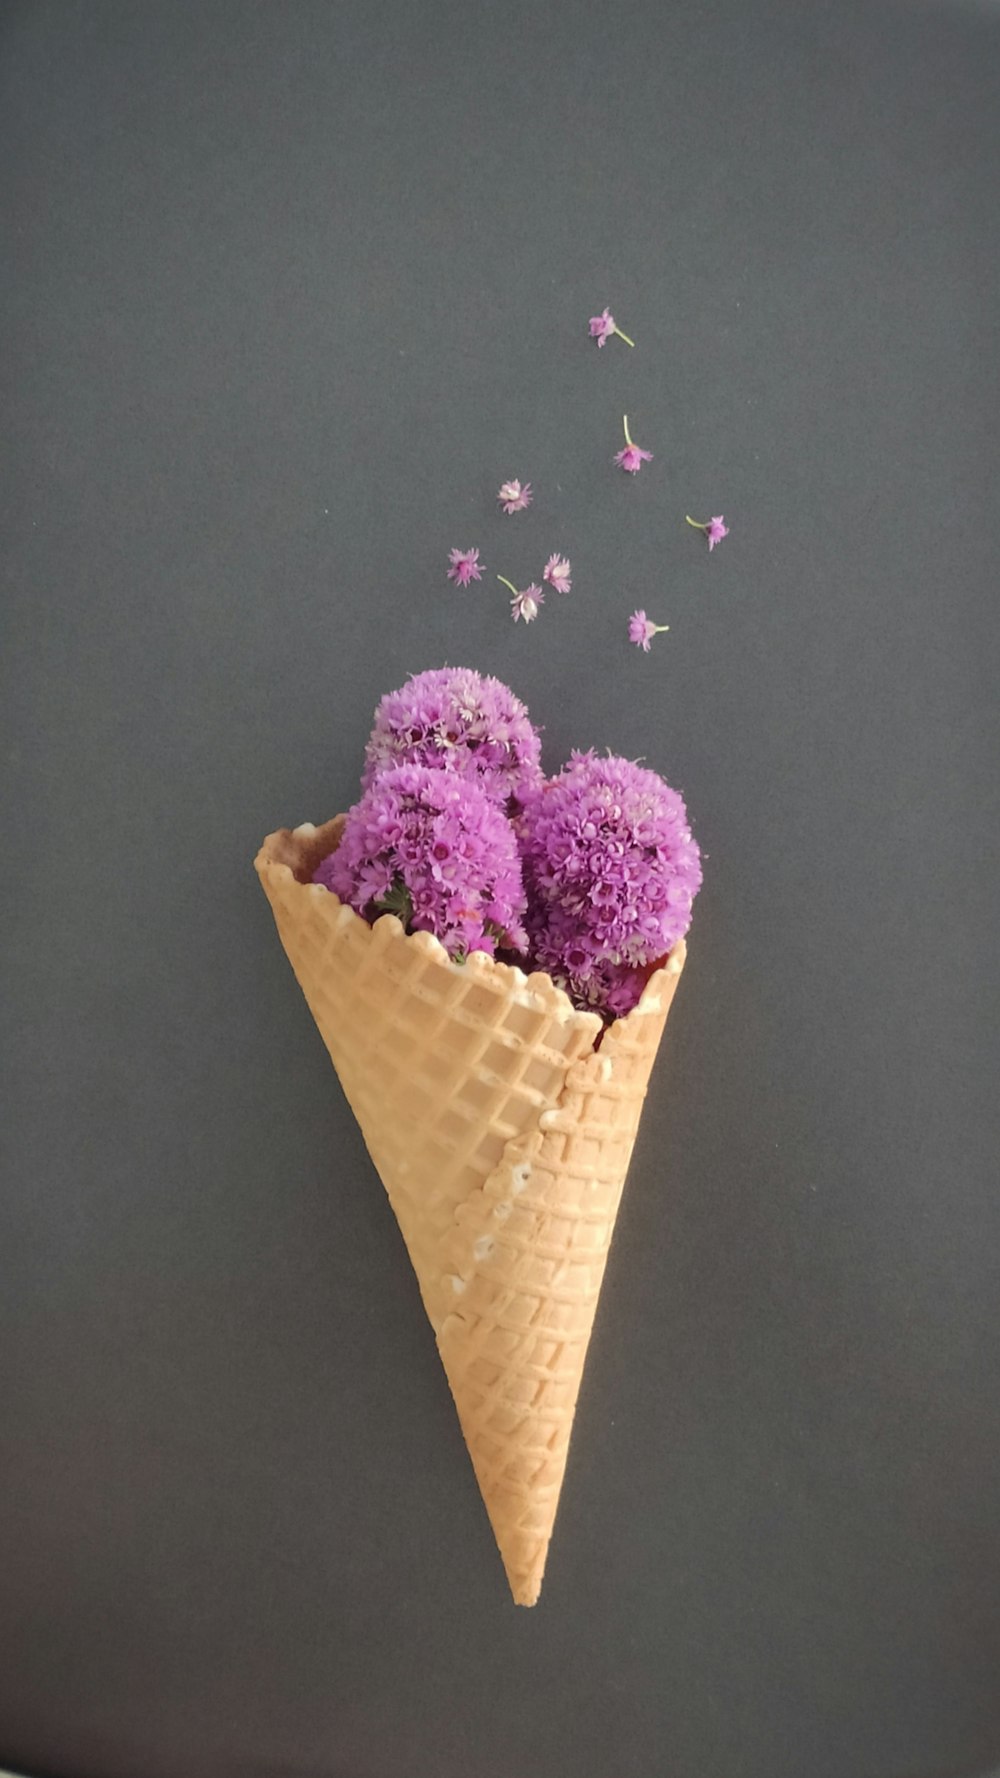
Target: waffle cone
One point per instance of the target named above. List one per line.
(502, 1138)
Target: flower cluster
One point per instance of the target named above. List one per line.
(433, 849)
(589, 875)
(468, 725)
(516, 496)
(611, 870)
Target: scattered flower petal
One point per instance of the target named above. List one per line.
(465, 566)
(603, 326)
(633, 456)
(524, 605)
(514, 496)
(557, 573)
(641, 631)
(715, 529)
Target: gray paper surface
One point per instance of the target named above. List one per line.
(288, 290)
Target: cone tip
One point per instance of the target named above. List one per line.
(525, 1592)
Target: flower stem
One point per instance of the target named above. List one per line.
(695, 523)
(658, 627)
(628, 440)
(624, 336)
(503, 579)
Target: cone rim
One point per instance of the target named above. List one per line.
(295, 852)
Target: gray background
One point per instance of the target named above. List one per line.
(292, 288)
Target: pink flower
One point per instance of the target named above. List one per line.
(633, 456)
(715, 529)
(514, 497)
(464, 566)
(524, 604)
(641, 631)
(610, 872)
(457, 721)
(603, 326)
(556, 572)
(432, 848)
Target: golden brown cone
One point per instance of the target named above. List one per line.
(502, 1139)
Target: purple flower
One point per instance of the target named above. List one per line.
(641, 631)
(462, 723)
(633, 456)
(611, 870)
(557, 572)
(603, 326)
(715, 529)
(433, 849)
(464, 566)
(524, 604)
(514, 496)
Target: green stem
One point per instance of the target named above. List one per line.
(628, 440)
(503, 579)
(695, 523)
(624, 336)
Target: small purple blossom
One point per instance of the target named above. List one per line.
(515, 496)
(524, 604)
(715, 529)
(465, 566)
(603, 326)
(433, 849)
(633, 456)
(611, 870)
(641, 631)
(557, 573)
(460, 722)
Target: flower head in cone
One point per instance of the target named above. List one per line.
(432, 848)
(463, 722)
(611, 871)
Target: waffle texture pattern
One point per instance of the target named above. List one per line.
(502, 1138)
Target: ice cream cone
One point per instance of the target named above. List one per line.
(502, 1137)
